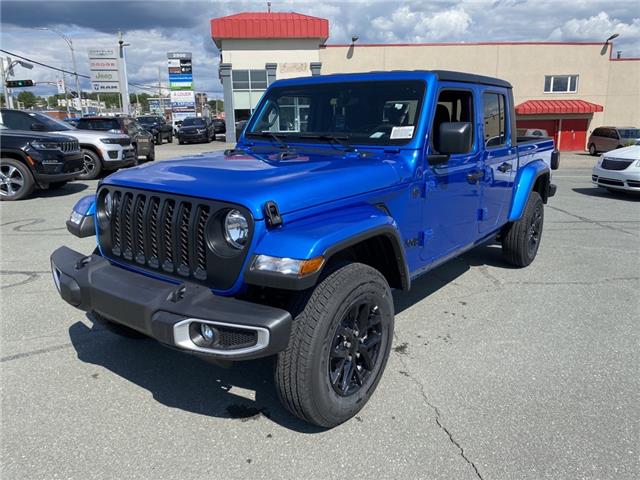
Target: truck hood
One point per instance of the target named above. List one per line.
(253, 179)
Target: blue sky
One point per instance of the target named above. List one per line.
(156, 27)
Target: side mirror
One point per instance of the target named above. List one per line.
(455, 137)
(38, 127)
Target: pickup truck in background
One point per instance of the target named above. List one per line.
(340, 189)
(157, 126)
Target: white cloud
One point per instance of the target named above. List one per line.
(405, 24)
(597, 27)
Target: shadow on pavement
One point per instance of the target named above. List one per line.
(601, 192)
(180, 380)
(68, 189)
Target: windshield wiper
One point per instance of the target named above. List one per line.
(342, 141)
(276, 137)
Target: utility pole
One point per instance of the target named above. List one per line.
(124, 83)
(138, 109)
(4, 84)
(99, 105)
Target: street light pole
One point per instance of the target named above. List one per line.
(73, 60)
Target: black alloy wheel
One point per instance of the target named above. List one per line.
(535, 231)
(355, 350)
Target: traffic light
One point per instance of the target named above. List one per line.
(19, 83)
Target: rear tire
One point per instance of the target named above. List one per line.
(159, 139)
(151, 156)
(116, 328)
(340, 342)
(170, 139)
(16, 181)
(92, 166)
(592, 150)
(521, 239)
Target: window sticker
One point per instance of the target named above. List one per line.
(376, 135)
(402, 132)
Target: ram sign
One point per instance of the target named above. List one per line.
(103, 66)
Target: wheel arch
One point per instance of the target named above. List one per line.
(533, 177)
(364, 234)
(19, 156)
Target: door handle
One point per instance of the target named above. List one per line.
(505, 167)
(473, 177)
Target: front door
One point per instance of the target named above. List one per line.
(452, 196)
(500, 161)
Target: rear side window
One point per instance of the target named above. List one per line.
(598, 132)
(495, 120)
(102, 124)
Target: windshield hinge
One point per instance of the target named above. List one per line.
(272, 215)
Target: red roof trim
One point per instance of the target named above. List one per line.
(458, 44)
(269, 25)
(542, 107)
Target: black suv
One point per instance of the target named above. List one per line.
(219, 126)
(158, 127)
(141, 140)
(196, 129)
(31, 159)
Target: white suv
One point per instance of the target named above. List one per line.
(618, 170)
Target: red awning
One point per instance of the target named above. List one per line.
(542, 107)
(268, 25)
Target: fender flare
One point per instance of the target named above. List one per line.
(327, 235)
(525, 181)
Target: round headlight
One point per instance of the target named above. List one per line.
(236, 229)
(108, 204)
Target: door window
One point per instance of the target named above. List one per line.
(495, 120)
(453, 106)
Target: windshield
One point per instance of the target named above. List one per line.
(102, 124)
(147, 120)
(629, 132)
(192, 121)
(367, 113)
(53, 125)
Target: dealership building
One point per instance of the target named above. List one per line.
(567, 89)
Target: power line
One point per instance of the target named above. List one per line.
(145, 87)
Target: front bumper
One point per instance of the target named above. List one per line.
(117, 156)
(60, 168)
(169, 313)
(196, 137)
(628, 179)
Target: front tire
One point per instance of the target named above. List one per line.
(521, 239)
(16, 181)
(92, 166)
(151, 156)
(340, 342)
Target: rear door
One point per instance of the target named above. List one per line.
(451, 199)
(500, 159)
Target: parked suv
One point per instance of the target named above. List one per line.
(219, 126)
(603, 139)
(36, 160)
(158, 127)
(289, 244)
(101, 151)
(141, 140)
(196, 129)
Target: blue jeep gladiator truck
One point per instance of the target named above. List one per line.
(340, 189)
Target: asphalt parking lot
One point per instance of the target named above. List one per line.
(496, 373)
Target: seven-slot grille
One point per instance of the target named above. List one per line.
(615, 163)
(166, 234)
(68, 147)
